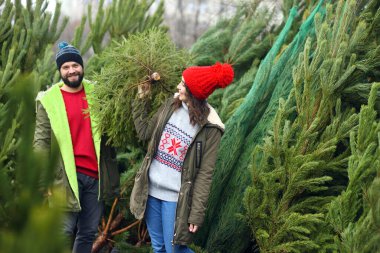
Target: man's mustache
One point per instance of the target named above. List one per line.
(74, 74)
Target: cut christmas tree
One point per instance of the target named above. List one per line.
(303, 162)
(126, 65)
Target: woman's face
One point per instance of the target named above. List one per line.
(182, 91)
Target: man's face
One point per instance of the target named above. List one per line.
(71, 74)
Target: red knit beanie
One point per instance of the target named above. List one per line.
(203, 80)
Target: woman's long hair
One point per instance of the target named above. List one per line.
(198, 109)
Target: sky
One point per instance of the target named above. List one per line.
(75, 8)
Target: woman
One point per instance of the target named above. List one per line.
(172, 186)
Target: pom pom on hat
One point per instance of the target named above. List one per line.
(67, 53)
(203, 80)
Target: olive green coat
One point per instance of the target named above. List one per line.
(197, 169)
(52, 132)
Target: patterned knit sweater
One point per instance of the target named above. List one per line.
(165, 169)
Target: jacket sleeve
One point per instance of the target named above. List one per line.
(202, 183)
(42, 133)
(42, 141)
(144, 124)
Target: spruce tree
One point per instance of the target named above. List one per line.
(353, 214)
(243, 41)
(116, 20)
(22, 27)
(27, 223)
(126, 65)
(302, 164)
(231, 176)
(26, 33)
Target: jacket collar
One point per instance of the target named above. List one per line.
(214, 119)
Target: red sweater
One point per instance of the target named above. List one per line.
(81, 133)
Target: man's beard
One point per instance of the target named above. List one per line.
(73, 84)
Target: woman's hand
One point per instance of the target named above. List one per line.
(193, 228)
(143, 90)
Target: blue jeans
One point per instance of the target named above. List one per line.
(159, 218)
(83, 225)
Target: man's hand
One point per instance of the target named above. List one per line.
(193, 228)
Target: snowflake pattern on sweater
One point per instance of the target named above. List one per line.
(173, 147)
(168, 160)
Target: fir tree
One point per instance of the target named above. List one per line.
(243, 41)
(25, 34)
(18, 38)
(118, 19)
(232, 177)
(27, 223)
(126, 65)
(353, 214)
(286, 204)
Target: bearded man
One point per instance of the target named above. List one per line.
(86, 173)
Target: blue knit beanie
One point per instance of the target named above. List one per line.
(67, 53)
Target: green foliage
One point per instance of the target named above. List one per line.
(24, 37)
(353, 213)
(308, 147)
(21, 29)
(232, 176)
(251, 40)
(248, 40)
(42, 27)
(122, 246)
(234, 95)
(131, 159)
(118, 19)
(130, 17)
(27, 223)
(25, 34)
(356, 91)
(128, 64)
(243, 41)
(198, 249)
(213, 44)
(239, 41)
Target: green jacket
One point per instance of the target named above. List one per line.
(196, 173)
(53, 133)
